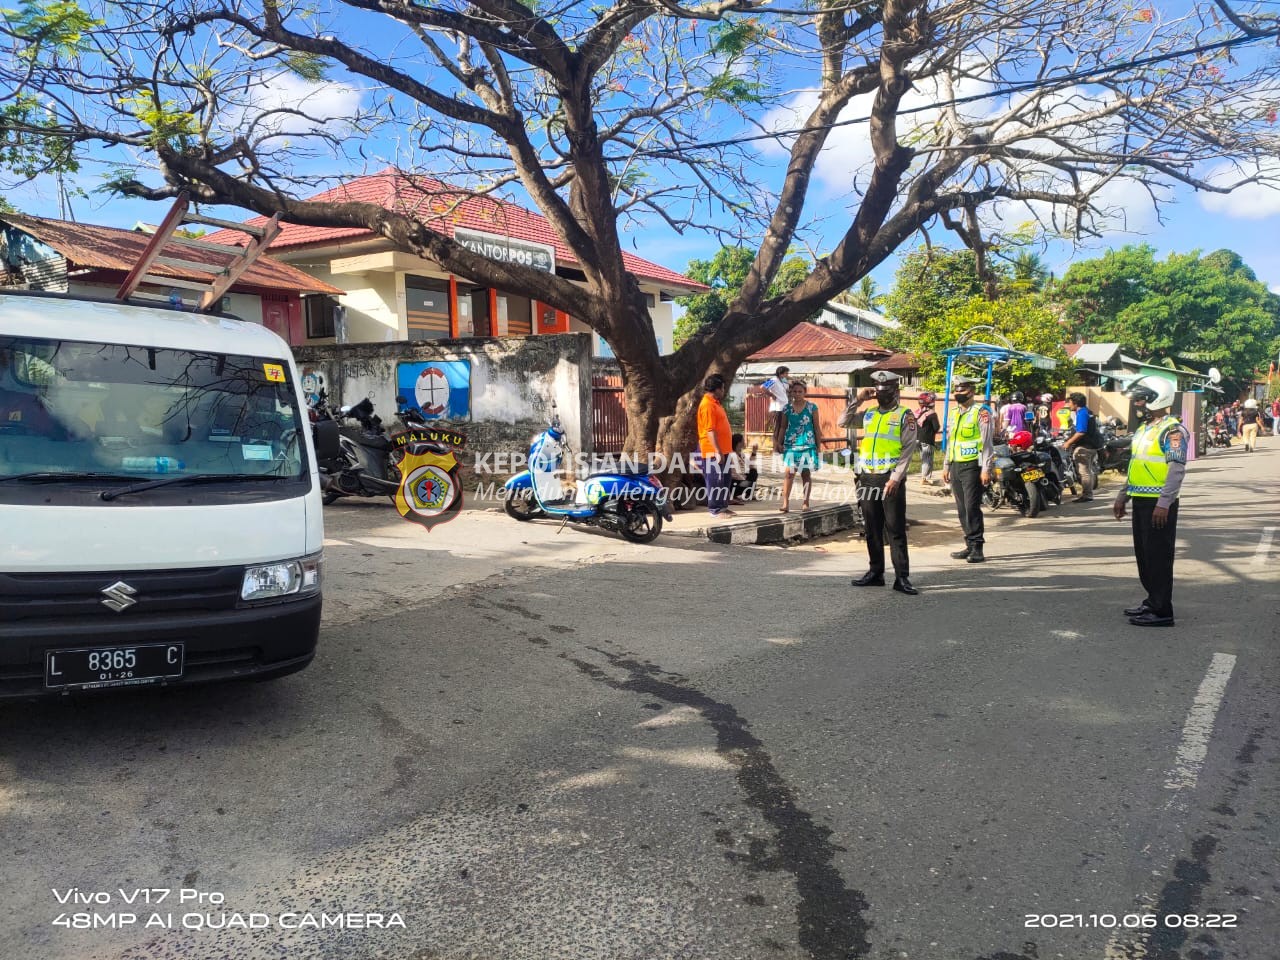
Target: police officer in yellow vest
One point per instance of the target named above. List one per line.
(968, 465)
(1157, 464)
(884, 456)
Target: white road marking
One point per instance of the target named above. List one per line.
(1192, 748)
(1264, 545)
(1199, 726)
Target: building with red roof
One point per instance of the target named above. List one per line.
(86, 259)
(389, 295)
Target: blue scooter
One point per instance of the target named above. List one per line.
(631, 504)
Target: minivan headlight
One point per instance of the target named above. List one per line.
(287, 578)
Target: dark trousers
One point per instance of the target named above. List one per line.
(881, 515)
(717, 479)
(966, 487)
(1154, 549)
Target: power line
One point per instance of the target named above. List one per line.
(973, 98)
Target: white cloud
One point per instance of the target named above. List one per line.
(1255, 201)
(320, 104)
(848, 151)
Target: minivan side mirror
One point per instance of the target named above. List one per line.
(325, 434)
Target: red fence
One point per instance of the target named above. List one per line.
(608, 414)
(830, 404)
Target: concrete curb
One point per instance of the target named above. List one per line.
(818, 522)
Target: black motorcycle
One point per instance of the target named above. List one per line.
(1025, 478)
(1114, 452)
(363, 461)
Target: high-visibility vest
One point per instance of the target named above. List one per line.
(965, 440)
(1148, 466)
(881, 440)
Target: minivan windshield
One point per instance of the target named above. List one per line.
(78, 410)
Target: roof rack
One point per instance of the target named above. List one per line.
(218, 278)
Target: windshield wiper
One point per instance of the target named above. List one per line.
(53, 476)
(189, 478)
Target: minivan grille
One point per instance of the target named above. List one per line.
(78, 597)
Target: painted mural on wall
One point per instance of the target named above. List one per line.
(436, 389)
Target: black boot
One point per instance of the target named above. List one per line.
(903, 585)
(870, 579)
(962, 554)
(975, 554)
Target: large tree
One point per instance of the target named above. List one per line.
(938, 295)
(600, 112)
(725, 273)
(1211, 308)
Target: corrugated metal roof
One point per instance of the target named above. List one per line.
(1092, 353)
(812, 341)
(442, 209)
(806, 368)
(110, 248)
(899, 361)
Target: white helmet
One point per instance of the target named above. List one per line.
(1251, 404)
(1156, 391)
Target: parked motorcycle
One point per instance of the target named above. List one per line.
(364, 461)
(1114, 453)
(1024, 476)
(631, 504)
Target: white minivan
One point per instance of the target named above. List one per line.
(160, 507)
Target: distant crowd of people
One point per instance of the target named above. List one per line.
(891, 435)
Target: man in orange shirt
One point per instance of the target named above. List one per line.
(715, 441)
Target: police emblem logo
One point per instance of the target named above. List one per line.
(430, 490)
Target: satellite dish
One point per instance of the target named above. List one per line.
(1215, 376)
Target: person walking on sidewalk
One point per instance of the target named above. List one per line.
(799, 429)
(1084, 445)
(927, 432)
(715, 442)
(1250, 421)
(1157, 464)
(884, 456)
(968, 465)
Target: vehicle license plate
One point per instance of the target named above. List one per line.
(95, 667)
(1032, 475)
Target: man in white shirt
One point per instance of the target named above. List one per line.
(777, 387)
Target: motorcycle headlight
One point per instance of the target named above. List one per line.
(287, 578)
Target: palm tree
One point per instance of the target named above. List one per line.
(1029, 269)
(866, 296)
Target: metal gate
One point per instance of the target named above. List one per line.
(608, 414)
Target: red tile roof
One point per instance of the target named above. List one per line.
(442, 209)
(110, 248)
(812, 341)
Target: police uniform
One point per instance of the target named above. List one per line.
(970, 449)
(1157, 464)
(889, 438)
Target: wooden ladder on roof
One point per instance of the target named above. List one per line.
(218, 277)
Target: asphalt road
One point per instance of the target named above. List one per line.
(525, 744)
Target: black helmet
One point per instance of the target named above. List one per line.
(1017, 397)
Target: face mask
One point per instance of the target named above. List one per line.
(964, 396)
(886, 395)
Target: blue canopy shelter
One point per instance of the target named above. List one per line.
(980, 355)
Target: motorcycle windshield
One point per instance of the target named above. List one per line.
(76, 408)
(546, 458)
